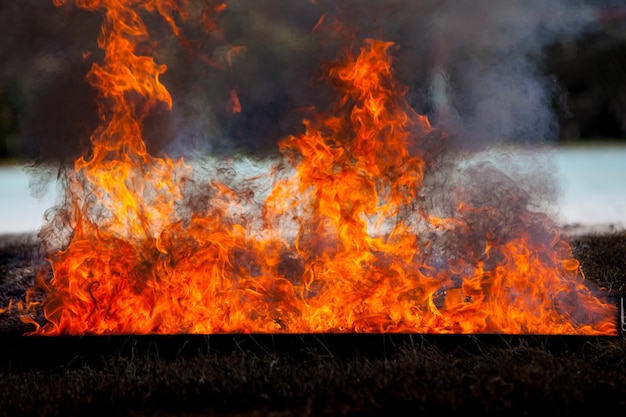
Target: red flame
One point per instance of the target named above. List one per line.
(341, 242)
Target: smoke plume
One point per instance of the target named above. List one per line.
(474, 68)
(447, 189)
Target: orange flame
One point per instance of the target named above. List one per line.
(341, 242)
(234, 103)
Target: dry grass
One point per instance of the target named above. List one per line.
(520, 380)
(516, 377)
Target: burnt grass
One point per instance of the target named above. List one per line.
(464, 374)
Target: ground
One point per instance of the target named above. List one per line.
(469, 374)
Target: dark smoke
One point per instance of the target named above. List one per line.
(43, 75)
(473, 67)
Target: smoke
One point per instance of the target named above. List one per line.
(43, 76)
(497, 89)
(475, 68)
(245, 81)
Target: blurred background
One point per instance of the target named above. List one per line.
(521, 71)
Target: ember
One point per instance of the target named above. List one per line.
(343, 232)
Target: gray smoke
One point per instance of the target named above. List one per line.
(474, 67)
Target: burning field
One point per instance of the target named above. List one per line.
(338, 171)
(365, 217)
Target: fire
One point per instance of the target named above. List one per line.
(340, 242)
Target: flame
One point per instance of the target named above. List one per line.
(234, 103)
(339, 243)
